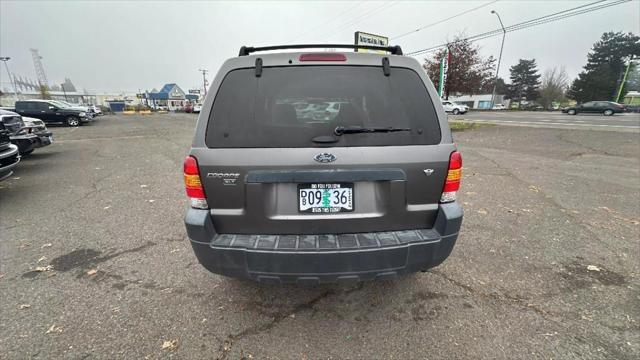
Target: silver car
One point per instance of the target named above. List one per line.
(366, 193)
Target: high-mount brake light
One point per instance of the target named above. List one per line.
(193, 185)
(454, 175)
(322, 57)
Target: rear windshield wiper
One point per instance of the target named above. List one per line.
(340, 130)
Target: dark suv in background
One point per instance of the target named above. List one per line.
(52, 112)
(367, 191)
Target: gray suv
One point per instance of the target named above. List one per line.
(364, 192)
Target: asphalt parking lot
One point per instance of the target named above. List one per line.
(546, 265)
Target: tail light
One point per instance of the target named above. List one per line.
(454, 174)
(192, 183)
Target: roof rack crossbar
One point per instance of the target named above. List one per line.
(246, 50)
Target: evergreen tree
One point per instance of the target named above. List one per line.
(605, 67)
(525, 80)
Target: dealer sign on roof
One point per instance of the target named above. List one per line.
(363, 38)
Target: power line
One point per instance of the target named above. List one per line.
(361, 17)
(443, 20)
(583, 9)
(323, 24)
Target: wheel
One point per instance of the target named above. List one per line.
(608, 112)
(456, 111)
(571, 112)
(73, 121)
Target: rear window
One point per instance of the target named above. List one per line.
(289, 106)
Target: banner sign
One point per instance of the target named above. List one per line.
(444, 72)
(363, 38)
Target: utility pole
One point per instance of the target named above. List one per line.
(495, 81)
(204, 79)
(6, 59)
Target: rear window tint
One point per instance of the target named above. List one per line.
(288, 106)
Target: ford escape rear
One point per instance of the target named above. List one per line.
(284, 190)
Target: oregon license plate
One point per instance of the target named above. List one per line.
(325, 198)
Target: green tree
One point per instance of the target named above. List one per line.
(553, 87)
(502, 88)
(606, 63)
(525, 80)
(469, 73)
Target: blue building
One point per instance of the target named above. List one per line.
(170, 97)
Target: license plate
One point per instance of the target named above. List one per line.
(325, 198)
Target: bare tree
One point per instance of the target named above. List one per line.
(554, 86)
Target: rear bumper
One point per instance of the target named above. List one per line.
(323, 258)
(26, 142)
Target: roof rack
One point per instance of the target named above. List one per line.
(246, 50)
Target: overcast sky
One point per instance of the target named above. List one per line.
(126, 46)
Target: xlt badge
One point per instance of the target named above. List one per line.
(227, 178)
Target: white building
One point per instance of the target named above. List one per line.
(480, 101)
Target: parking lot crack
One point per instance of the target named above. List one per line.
(506, 298)
(227, 344)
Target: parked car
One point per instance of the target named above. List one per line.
(50, 111)
(197, 108)
(87, 109)
(631, 108)
(276, 196)
(95, 109)
(499, 107)
(607, 108)
(38, 128)
(454, 108)
(9, 154)
(27, 137)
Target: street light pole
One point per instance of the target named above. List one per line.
(15, 90)
(495, 81)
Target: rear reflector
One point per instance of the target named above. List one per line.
(454, 174)
(193, 185)
(323, 57)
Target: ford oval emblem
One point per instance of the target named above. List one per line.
(325, 158)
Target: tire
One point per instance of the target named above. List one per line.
(571, 112)
(72, 121)
(608, 112)
(456, 111)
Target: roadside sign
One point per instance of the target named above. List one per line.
(194, 91)
(444, 73)
(363, 38)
